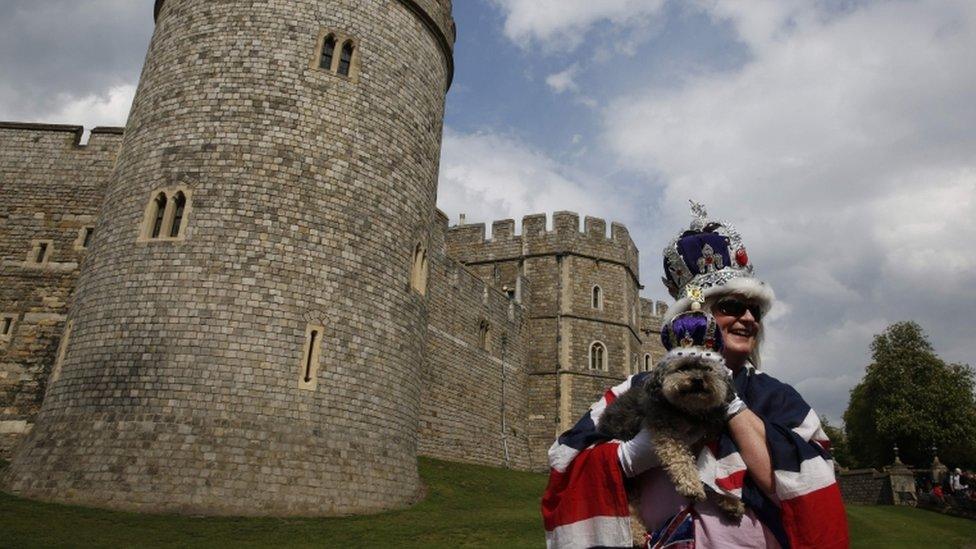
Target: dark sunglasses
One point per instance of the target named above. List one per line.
(734, 307)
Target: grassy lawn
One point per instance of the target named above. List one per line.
(468, 506)
(892, 527)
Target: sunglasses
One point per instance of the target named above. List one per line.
(734, 307)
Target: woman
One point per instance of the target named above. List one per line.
(773, 454)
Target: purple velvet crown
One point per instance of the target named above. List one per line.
(709, 254)
(692, 329)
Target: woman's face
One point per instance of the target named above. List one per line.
(737, 319)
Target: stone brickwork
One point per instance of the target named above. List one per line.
(180, 389)
(651, 313)
(51, 188)
(865, 487)
(288, 350)
(563, 266)
(474, 405)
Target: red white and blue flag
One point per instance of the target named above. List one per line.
(585, 503)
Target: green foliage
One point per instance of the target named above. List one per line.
(838, 443)
(911, 397)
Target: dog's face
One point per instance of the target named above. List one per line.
(693, 384)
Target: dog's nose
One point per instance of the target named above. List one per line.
(698, 383)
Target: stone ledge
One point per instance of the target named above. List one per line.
(15, 427)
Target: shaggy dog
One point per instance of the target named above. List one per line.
(684, 399)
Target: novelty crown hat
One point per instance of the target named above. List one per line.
(692, 333)
(709, 259)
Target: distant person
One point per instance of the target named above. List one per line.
(955, 481)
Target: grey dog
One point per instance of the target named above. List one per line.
(684, 399)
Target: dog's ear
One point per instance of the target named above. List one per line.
(656, 380)
(654, 386)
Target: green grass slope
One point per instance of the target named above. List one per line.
(467, 506)
(897, 527)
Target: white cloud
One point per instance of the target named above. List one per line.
(564, 80)
(843, 150)
(108, 109)
(489, 176)
(562, 24)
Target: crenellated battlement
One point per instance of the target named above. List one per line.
(58, 136)
(651, 309)
(469, 243)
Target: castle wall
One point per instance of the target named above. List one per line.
(50, 191)
(651, 313)
(184, 386)
(474, 404)
(563, 266)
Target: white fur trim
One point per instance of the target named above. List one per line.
(748, 287)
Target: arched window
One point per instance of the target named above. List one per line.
(647, 362)
(598, 356)
(328, 52)
(159, 212)
(597, 298)
(484, 335)
(419, 269)
(179, 205)
(167, 215)
(345, 60)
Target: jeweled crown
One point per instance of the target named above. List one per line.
(692, 329)
(710, 253)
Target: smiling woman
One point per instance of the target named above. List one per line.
(772, 455)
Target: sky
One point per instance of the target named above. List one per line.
(838, 136)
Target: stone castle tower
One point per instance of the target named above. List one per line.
(245, 302)
(588, 328)
(276, 181)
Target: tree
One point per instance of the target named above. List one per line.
(912, 398)
(838, 443)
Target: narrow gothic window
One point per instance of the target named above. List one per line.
(41, 254)
(308, 378)
(484, 335)
(180, 207)
(328, 52)
(312, 341)
(159, 212)
(6, 326)
(86, 240)
(345, 60)
(419, 270)
(647, 363)
(598, 356)
(597, 297)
